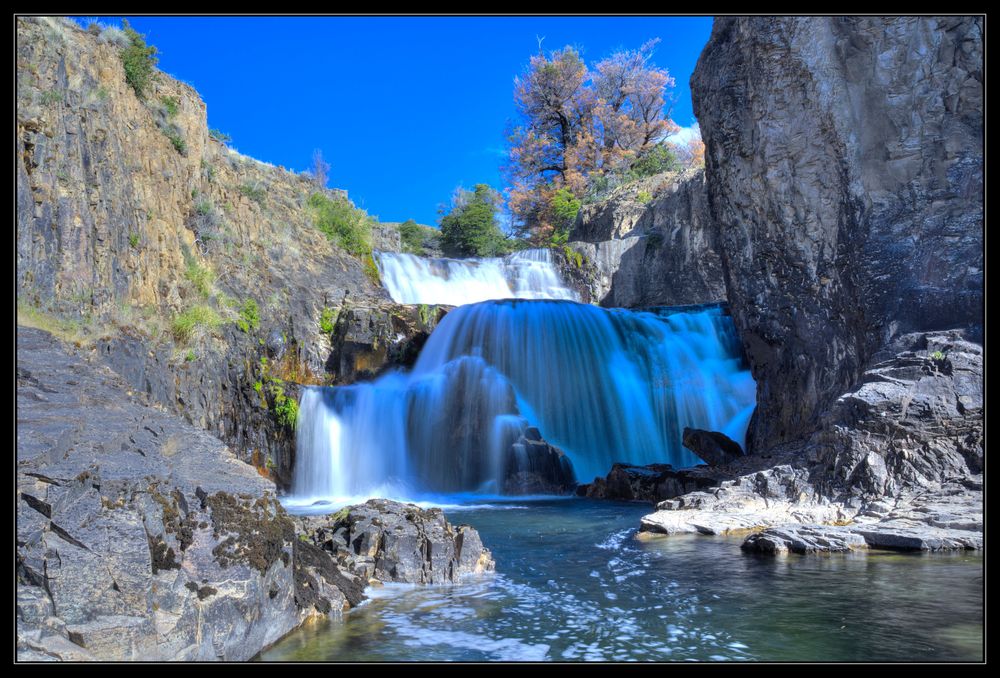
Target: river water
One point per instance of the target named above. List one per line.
(574, 584)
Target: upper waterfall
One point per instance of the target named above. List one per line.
(528, 274)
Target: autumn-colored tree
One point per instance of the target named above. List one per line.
(320, 169)
(575, 123)
(690, 150)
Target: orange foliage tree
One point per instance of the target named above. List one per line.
(575, 122)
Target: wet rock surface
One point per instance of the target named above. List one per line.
(652, 483)
(389, 541)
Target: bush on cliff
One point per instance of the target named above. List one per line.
(343, 223)
(470, 229)
(138, 59)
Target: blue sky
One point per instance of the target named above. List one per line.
(404, 108)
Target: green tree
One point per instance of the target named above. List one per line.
(470, 228)
(138, 59)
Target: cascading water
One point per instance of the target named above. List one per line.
(603, 385)
(528, 274)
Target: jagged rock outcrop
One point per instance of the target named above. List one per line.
(369, 338)
(388, 541)
(138, 536)
(897, 461)
(652, 243)
(652, 483)
(844, 164)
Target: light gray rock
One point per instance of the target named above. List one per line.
(394, 542)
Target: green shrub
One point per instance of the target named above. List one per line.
(204, 207)
(654, 160)
(255, 193)
(133, 240)
(190, 356)
(201, 277)
(52, 96)
(286, 410)
(249, 318)
(258, 386)
(573, 256)
(176, 138)
(138, 60)
(219, 136)
(937, 356)
(645, 197)
(565, 207)
(328, 320)
(197, 318)
(171, 105)
(346, 225)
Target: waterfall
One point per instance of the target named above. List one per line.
(602, 385)
(528, 274)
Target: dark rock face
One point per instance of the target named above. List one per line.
(369, 338)
(535, 467)
(139, 536)
(915, 420)
(844, 163)
(657, 254)
(712, 447)
(652, 483)
(389, 541)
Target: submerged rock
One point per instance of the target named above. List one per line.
(712, 447)
(651, 483)
(389, 541)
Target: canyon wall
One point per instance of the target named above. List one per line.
(844, 165)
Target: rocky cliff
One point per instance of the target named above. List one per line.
(652, 243)
(844, 167)
(196, 272)
(845, 178)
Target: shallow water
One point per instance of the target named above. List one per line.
(574, 584)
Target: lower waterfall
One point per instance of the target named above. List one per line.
(497, 378)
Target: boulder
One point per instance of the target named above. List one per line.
(651, 483)
(389, 541)
(712, 447)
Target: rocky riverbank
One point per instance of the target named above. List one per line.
(141, 537)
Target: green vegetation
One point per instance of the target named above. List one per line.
(258, 386)
(937, 356)
(255, 193)
(645, 197)
(286, 410)
(426, 313)
(573, 256)
(249, 318)
(190, 356)
(176, 138)
(133, 240)
(138, 60)
(328, 320)
(171, 105)
(52, 96)
(654, 160)
(470, 228)
(201, 277)
(194, 320)
(204, 207)
(219, 136)
(344, 224)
